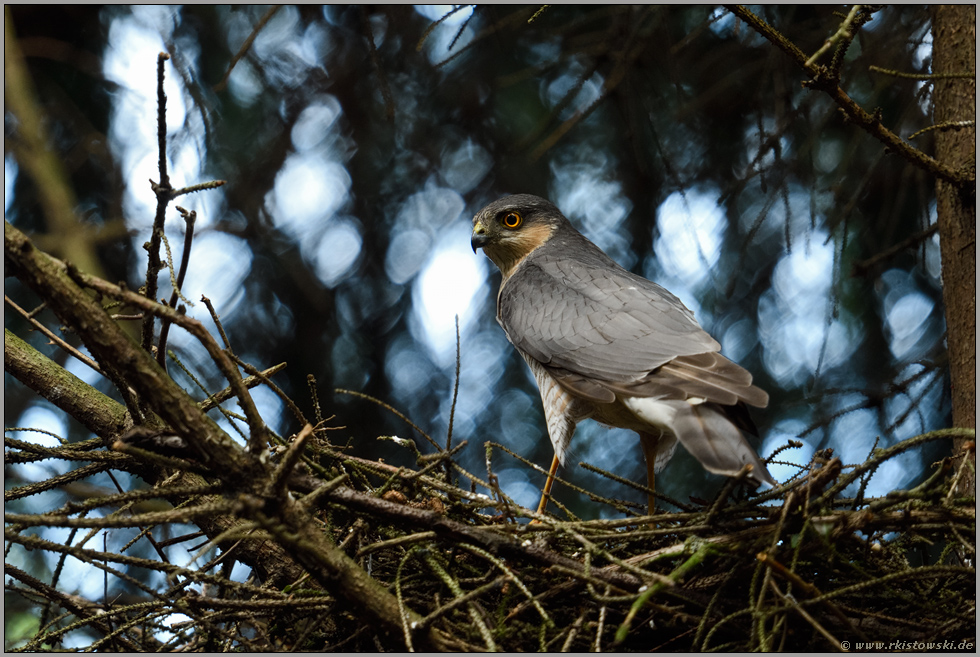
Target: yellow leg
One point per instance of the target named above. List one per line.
(649, 444)
(546, 493)
(651, 499)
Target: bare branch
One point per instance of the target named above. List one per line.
(855, 113)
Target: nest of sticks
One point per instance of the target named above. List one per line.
(796, 568)
(799, 568)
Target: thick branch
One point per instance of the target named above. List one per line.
(113, 349)
(100, 414)
(955, 49)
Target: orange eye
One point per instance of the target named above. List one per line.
(511, 220)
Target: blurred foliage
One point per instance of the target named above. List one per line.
(358, 141)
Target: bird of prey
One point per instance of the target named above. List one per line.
(606, 344)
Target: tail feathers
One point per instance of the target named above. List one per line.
(717, 443)
(704, 431)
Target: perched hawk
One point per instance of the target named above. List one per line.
(609, 345)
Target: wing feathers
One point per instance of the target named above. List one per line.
(727, 385)
(594, 325)
(570, 306)
(717, 377)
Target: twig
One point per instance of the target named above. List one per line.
(390, 409)
(788, 599)
(54, 338)
(19, 492)
(513, 578)
(311, 498)
(211, 184)
(635, 486)
(317, 411)
(264, 378)
(135, 520)
(246, 44)
(162, 191)
(190, 217)
(810, 590)
(408, 539)
(862, 267)
(726, 489)
(855, 113)
(623, 61)
(277, 487)
(675, 576)
(453, 586)
(82, 608)
(843, 33)
(217, 322)
(434, 24)
(944, 127)
(407, 626)
(456, 603)
(249, 382)
(885, 454)
(923, 76)
(452, 408)
(178, 282)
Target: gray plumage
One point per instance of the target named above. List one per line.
(607, 344)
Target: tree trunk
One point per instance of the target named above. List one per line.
(954, 51)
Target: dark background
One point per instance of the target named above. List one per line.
(358, 142)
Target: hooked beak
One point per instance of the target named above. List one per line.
(479, 237)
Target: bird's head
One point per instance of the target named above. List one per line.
(510, 228)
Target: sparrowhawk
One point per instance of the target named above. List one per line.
(606, 344)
